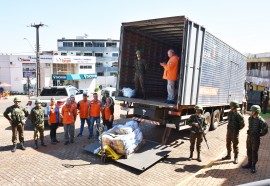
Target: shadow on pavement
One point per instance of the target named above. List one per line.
(190, 168)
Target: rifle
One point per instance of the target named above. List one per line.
(201, 129)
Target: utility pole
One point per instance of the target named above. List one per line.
(37, 55)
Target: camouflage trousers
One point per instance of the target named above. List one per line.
(139, 81)
(193, 137)
(253, 144)
(39, 129)
(232, 138)
(17, 128)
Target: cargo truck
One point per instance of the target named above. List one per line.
(211, 73)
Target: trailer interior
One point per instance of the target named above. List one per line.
(154, 38)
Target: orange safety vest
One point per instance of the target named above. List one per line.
(68, 113)
(107, 112)
(84, 105)
(171, 69)
(52, 114)
(95, 108)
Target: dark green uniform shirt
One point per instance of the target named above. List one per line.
(197, 119)
(37, 116)
(18, 114)
(257, 126)
(235, 121)
(140, 66)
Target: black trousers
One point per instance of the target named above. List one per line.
(53, 128)
(108, 124)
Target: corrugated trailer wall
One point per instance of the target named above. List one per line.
(223, 73)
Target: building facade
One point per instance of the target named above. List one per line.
(258, 71)
(20, 71)
(106, 52)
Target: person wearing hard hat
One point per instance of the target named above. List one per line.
(140, 66)
(235, 123)
(257, 127)
(171, 74)
(37, 119)
(17, 122)
(197, 122)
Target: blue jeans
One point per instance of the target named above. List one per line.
(90, 127)
(170, 89)
(69, 132)
(82, 124)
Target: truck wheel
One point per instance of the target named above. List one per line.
(215, 120)
(207, 116)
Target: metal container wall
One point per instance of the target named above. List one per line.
(222, 73)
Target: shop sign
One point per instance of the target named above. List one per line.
(59, 77)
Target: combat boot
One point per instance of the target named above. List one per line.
(199, 159)
(247, 166)
(43, 144)
(22, 146)
(14, 148)
(253, 168)
(36, 144)
(227, 157)
(235, 159)
(190, 156)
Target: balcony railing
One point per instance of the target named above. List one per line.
(259, 73)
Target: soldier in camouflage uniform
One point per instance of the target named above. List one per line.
(257, 127)
(197, 121)
(140, 66)
(17, 122)
(37, 118)
(235, 123)
(265, 100)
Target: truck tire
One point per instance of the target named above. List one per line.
(215, 120)
(207, 116)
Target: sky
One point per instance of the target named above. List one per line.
(243, 24)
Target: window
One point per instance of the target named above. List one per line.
(78, 44)
(113, 74)
(86, 67)
(88, 44)
(111, 44)
(99, 64)
(100, 74)
(78, 53)
(88, 54)
(99, 54)
(98, 44)
(63, 53)
(114, 54)
(67, 44)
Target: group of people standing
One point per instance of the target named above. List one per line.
(257, 127)
(89, 111)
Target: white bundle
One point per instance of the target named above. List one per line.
(128, 92)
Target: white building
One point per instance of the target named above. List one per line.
(79, 71)
(105, 50)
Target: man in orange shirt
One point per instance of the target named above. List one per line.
(53, 119)
(67, 115)
(170, 74)
(94, 110)
(83, 106)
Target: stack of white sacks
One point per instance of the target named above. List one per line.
(123, 139)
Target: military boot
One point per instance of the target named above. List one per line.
(235, 159)
(248, 165)
(36, 144)
(14, 148)
(190, 156)
(22, 146)
(227, 157)
(253, 168)
(199, 159)
(43, 144)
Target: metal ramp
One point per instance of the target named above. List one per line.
(149, 154)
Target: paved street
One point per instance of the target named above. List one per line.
(45, 165)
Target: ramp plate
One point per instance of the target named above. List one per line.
(150, 153)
